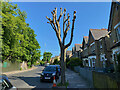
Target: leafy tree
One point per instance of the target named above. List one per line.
(19, 42)
(47, 56)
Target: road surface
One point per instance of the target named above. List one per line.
(29, 79)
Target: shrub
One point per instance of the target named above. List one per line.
(56, 61)
(67, 60)
(29, 64)
(74, 62)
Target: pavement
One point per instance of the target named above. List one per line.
(75, 80)
(19, 71)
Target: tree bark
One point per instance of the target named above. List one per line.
(62, 66)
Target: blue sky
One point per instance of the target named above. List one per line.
(89, 15)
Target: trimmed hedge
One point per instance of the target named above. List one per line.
(74, 62)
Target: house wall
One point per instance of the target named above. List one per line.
(115, 20)
(113, 25)
(104, 53)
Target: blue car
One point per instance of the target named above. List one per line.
(49, 72)
(5, 83)
(59, 68)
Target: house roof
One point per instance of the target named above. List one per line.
(98, 33)
(86, 39)
(78, 47)
(68, 52)
(73, 49)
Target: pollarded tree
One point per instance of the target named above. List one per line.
(55, 23)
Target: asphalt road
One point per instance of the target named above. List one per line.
(29, 79)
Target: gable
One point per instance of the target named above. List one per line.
(91, 38)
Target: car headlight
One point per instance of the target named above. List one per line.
(53, 74)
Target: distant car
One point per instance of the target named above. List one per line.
(47, 64)
(48, 73)
(5, 83)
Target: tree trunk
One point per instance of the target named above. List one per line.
(62, 66)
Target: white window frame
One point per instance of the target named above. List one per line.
(118, 33)
(92, 43)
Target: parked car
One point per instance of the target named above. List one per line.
(48, 73)
(5, 84)
(59, 68)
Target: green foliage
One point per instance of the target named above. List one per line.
(67, 60)
(56, 61)
(20, 68)
(41, 62)
(66, 84)
(74, 62)
(47, 56)
(19, 42)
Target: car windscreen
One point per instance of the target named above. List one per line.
(49, 69)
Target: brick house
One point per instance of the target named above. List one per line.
(68, 54)
(114, 28)
(76, 50)
(93, 46)
(104, 54)
(84, 53)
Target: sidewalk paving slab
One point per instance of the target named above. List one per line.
(75, 80)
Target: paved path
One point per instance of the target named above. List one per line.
(75, 80)
(29, 79)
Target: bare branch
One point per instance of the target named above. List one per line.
(49, 19)
(73, 21)
(67, 27)
(61, 13)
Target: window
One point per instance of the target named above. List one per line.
(104, 64)
(100, 45)
(93, 62)
(118, 33)
(116, 8)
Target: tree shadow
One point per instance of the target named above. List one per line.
(33, 81)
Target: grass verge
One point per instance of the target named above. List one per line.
(66, 84)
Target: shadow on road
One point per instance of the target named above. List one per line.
(33, 81)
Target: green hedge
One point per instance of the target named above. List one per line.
(56, 62)
(74, 62)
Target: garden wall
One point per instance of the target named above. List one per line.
(99, 79)
(8, 66)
